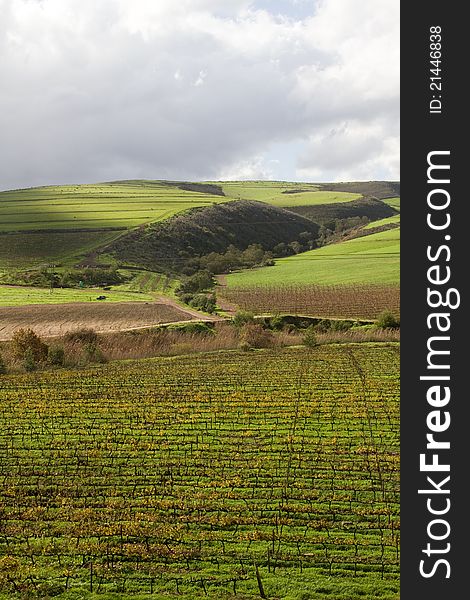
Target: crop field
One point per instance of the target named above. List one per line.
(372, 259)
(15, 295)
(216, 475)
(285, 195)
(362, 301)
(56, 319)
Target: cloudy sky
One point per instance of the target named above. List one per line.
(98, 90)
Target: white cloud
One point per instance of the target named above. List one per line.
(196, 89)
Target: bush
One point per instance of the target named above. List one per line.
(29, 362)
(387, 320)
(56, 356)
(243, 317)
(341, 325)
(309, 338)
(82, 336)
(322, 326)
(255, 336)
(94, 354)
(193, 328)
(200, 281)
(3, 367)
(27, 344)
(277, 322)
(203, 302)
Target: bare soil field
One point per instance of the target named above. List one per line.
(51, 320)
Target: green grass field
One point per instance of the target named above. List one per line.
(371, 259)
(393, 202)
(273, 193)
(61, 224)
(177, 477)
(19, 296)
(388, 221)
(121, 204)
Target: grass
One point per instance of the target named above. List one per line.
(393, 202)
(176, 476)
(272, 193)
(121, 204)
(19, 296)
(26, 250)
(371, 259)
(59, 223)
(388, 221)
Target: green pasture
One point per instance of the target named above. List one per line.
(122, 204)
(370, 259)
(393, 202)
(388, 221)
(18, 296)
(298, 194)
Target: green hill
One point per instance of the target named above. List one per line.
(166, 245)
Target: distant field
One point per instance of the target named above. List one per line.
(298, 194)
(63, 223)
(393, 202)
(388, 221)
(122, 204)
(17, 295)
(23, 250)
(371, 259)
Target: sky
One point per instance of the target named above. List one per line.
(101, 90)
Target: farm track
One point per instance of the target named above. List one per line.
(50, 320)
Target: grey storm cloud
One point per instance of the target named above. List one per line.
(118, 89)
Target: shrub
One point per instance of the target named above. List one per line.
(29, 362)
(387, 320)
(26, 343)
(56, 356)
(203, 302)
(200, 281)
(243, 317)
(255, 336)
(193, 328)
(341, 325)
(3, 367)
(309, 338)
(323, 326)
(277, 322)
(94, 354)
(82, 336)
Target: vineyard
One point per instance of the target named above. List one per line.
(271, 474)
(327, 301)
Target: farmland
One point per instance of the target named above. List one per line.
(183, 476)
(64, 223)
(56, 319)
(361, 301)
(285, 195)
(371, 259)
(89, 206)
(11, 295)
